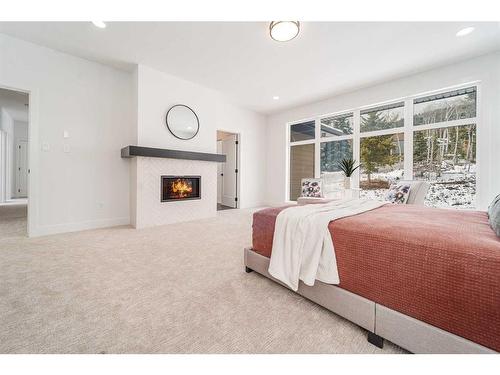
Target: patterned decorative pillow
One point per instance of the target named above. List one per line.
(311, 187)
(398, 193)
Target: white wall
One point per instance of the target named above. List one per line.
(157, 92)
(485, 69)
(89, 186)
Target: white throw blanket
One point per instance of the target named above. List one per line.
(302, 244)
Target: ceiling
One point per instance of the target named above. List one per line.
(243, 62)
(15, 103)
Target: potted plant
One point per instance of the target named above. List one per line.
(348, 166)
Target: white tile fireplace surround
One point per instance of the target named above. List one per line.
(147, 209)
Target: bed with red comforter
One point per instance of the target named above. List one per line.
(436, 265)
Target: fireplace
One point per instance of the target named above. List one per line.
(179, 188)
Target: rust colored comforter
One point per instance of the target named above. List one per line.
(439, 266)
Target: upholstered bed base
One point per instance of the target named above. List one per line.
(381, 322)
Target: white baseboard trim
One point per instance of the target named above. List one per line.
(76, 227)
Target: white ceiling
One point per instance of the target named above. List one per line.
(15, 103)
(242, 61)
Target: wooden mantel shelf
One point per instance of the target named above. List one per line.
(133, 151)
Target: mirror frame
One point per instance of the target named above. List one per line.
(195, 115)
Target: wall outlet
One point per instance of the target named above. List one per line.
(66, 148)
(45, 147)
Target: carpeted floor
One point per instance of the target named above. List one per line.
(221, 207)
(172, 289)
(13, 221)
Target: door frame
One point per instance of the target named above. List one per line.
(33, 152)
(238, 162)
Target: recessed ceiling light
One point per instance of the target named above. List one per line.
(465, 31)
(276, 97)
(283, 31)
(99, 24)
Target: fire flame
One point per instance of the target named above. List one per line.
(182, 188)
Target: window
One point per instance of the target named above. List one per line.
(301, 166)
(444, 147)
(381, 149)
(337, 141)
(382, 163)
(444, 153)
(426, 137)
(302, 131)
(380, 118)
(448, 106)
(333, 152)
(446, 157)
(336, 126)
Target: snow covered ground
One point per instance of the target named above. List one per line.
(455, 188)
(461, 194)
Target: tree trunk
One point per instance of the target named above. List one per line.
(399, 148)
(455, 148)
(428, 159)
(468, 153)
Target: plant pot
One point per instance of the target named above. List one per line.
(347, 182)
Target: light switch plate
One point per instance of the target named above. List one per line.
(66, 148)
(66, 134)
(45, 147)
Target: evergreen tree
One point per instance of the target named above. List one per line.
(376, 152)
(339, 125)
(371, 121)
(343, 124)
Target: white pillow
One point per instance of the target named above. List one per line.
(333, 184)
(418, 191)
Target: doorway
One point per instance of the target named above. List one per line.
(228, 172)
(14, 169)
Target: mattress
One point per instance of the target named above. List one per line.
(436, 265)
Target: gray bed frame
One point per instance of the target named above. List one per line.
(380, 321)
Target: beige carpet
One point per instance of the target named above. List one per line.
(172, 289)
(13, 220)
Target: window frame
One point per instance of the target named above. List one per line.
(407, 129)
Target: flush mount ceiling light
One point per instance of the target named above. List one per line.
(99, 24)
(465, 31)
(276, 97)
(283, 31)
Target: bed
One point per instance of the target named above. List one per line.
(426, 279)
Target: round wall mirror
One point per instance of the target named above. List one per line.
(182, 122)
